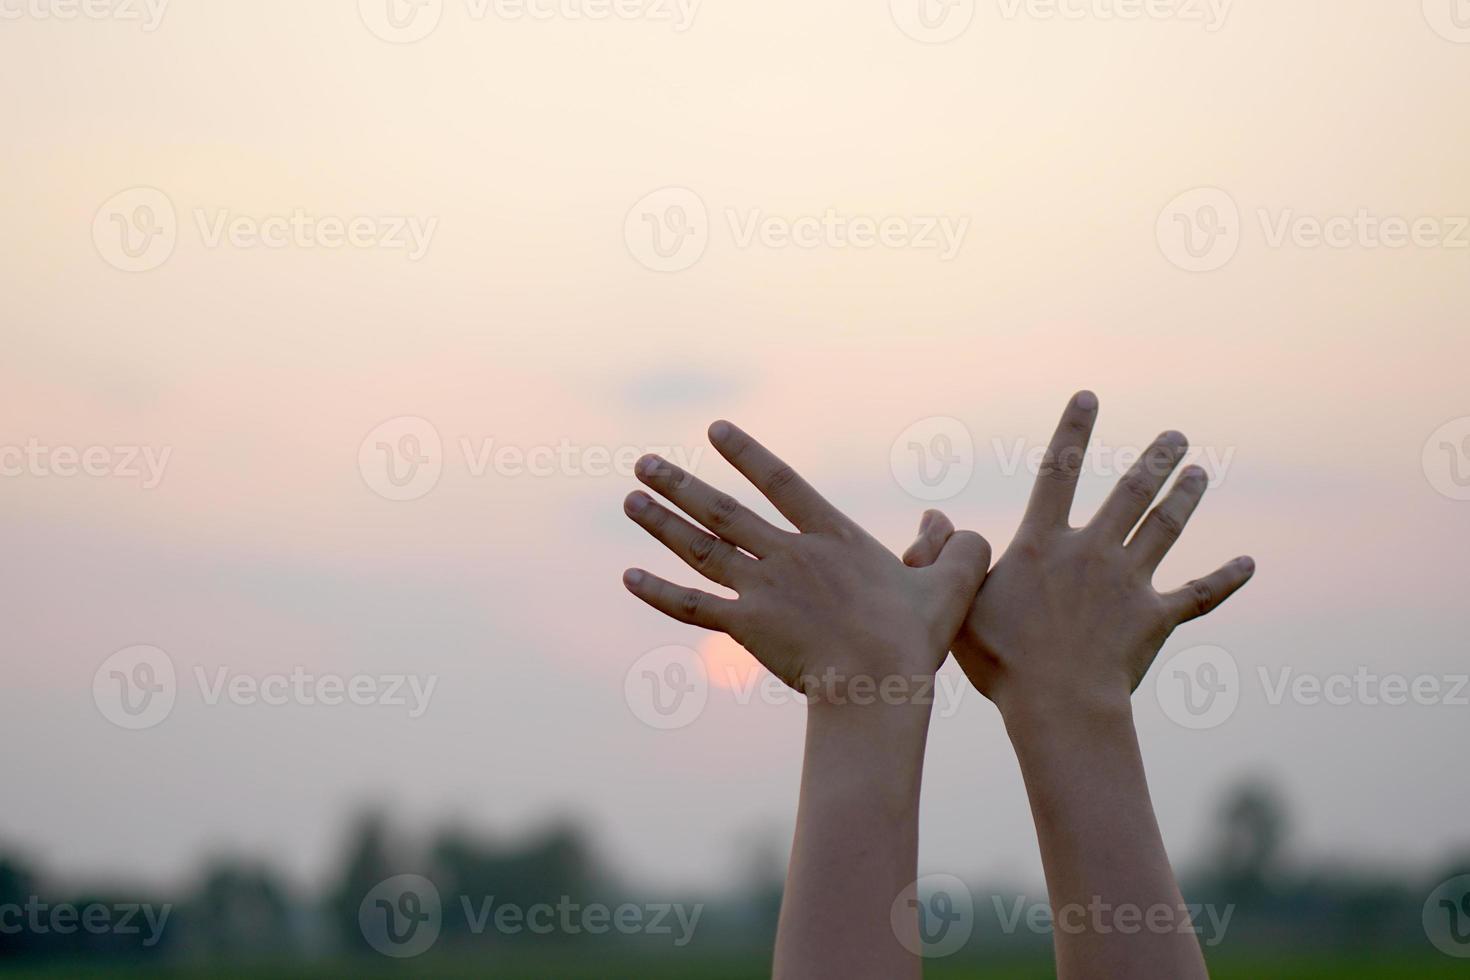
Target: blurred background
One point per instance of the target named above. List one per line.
(332, 331)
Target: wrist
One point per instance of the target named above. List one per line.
(873, 753)
(901, 725)
(1097, 720)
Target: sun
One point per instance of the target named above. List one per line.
(730, 665)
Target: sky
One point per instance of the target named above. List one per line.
(255, 253)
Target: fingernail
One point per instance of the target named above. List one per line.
(636, 503)
(648, 465)
(720, 431)
(1195, 473)
(1247, 564)
(632, 577)
(925, 521)
(1086, 401)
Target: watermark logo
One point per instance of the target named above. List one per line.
(1209, 13)
(401, 21)
(401, 917)
(409, 21)
(41, 461)
(135, 688)
(1101, 918)
(933, 459)
(402, 459)
(932, 21)
(569, 917)
(1198, 688)
(668, 230)
(1199, 231)
(147, 13)
(38, 918)
(1365, 688)
(667, 688)
(1447, 459)
(136, 230)
(1104, 460)
(1447, 917)
(1449, 18)
(301, 687)
(944, 911)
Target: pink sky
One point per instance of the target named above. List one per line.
(1320, 372)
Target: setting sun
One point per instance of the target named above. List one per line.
(730, 665)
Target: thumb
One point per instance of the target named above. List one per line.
(964, 562)
(934, 531)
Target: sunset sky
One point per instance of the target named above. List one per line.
(1314, 376)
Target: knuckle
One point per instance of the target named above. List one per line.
(1062, 466)
(1168, 524)
(703, 550)
(1138, 488)
(974, 540)
(1202, 595)
(986, 552)
(690, 603)
(724, 511)
(1028, 548)
(781, 480)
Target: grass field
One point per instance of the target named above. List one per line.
(1405, 966)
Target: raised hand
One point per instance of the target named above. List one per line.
(819, 607)
(837, 616)
(1069, 617)
(1060, 636)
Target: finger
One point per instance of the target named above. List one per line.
(934, 531)
(718, 561)
(686, 605)
(719, 512)
(1138, 488)
(781, 485)
(1056, 483)
(1203, 596)
(963, 564)
(1162, 527)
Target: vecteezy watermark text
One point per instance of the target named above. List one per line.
(148, 14)
(138, 230)
(670, 229)
(1201, 687)
(1202, 229)
(404, 458)
(669, 688)
(934, 459)
(137, 687)
(403, 916)
(936, 915)
(37, 918)
(1102, 918)
(410, 21)
(38, 460)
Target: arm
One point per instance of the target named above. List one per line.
(839, 618)
(1062, 634)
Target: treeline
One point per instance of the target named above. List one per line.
(244, 911)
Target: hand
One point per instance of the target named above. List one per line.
(1069, 618)
(818, 608)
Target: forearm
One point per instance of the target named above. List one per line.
(1117, 910)
(856, 845)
